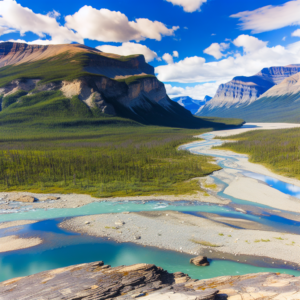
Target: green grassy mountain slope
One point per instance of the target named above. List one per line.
(85, 86)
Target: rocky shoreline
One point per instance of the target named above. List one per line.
(99, 281)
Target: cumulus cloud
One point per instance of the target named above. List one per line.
(188, 5)
(168, 58)
(197, 92)
(14, 17)
(128, 49)
(249, 43)
(270, 17)
(196, 69)
(5, 30)
(113, 26)
(216, 50)
(296, 33)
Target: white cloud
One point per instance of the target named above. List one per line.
(17, 18)
(296, 33)
(216, 50)
(196, 69)
(249, 43)
(270, 17)
(112, 26)
(175, 54)
(188, 5)
(5, 30)
(197, 92)
(168, 58)
(284, 38)
(53, 14)
(128, 49)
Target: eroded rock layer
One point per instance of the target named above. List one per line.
(96, 281)
(243, 91)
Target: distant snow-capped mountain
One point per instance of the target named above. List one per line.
(191, 104)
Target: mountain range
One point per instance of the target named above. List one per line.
(270, 95)
(191, 104)
(59, 82)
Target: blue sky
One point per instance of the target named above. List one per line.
(194, 44)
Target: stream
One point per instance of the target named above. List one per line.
(62, 248)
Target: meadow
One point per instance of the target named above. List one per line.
(104, 162)
(276, 149)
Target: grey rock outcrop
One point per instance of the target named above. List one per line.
(98, 281)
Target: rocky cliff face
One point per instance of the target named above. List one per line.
(242, 91)
(99, 281)
(288, 86)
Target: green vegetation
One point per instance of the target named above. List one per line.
(104, 161)
(204, 243)
(276, 149)
(132, 79)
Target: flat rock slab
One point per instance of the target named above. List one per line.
(98, 281)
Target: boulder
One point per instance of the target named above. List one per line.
(200, 261)
(23, 198)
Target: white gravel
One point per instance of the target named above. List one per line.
(183, 233)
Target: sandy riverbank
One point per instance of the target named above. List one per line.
(243, 187)
(13, 242)
(79, 200)
(185, 233)
(16, 223)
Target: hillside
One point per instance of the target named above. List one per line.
(59, 82)
(235, 96)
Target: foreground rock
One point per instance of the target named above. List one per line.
(98, 281)
(200, 261)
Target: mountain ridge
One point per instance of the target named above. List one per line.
(242, 90)
(98, 84)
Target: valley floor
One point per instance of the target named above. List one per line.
(215, 236)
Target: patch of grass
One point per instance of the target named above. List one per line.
(276, 149)
(229, 235)
(262, 240)
(131, 79)
(211, 186)
(204, 243)
(221, 234)
(279, 238)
